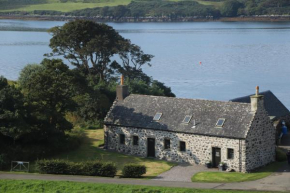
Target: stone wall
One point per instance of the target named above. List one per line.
(198, 147)
(260, 140)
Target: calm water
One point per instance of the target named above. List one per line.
(234, 56)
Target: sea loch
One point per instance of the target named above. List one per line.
(210, 60)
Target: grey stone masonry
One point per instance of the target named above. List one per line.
(198, 147)
(244, 141)
(260, 140)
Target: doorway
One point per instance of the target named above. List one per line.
(216, 156)
(150, 147)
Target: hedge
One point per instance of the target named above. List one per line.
(133, 170)
(89, 168)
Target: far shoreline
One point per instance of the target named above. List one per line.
(266, 18)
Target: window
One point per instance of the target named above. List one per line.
(220, 122)
(166, 143)
(122, 138)
(182, 146)
(135, 140)
(230, 153)
(187, 119)
(157, 116)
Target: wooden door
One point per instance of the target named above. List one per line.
(216, 156)
(151, 147)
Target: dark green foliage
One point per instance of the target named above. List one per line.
(87, 45)
(91, 47)
(230, 8)
(280, 155)
(2, 161)
(49, 91)
(153, 87)
(12, 111)
(155, 8)
(133, 170)
(89, 168)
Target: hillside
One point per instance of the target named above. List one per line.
(172, 9)
(71, 5)
(56, 5)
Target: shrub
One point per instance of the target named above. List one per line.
(133, 170)
(280, 155)
(108, 169)
(53, 166)
(90, 168)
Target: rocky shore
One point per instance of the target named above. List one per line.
(255, 18)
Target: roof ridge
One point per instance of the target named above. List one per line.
(178, 98)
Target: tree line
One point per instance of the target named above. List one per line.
(38, 111)
(173, 10)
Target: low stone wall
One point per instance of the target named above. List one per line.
(198, 147)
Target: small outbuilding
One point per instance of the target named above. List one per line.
(240, 135)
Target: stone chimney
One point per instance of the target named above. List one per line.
(256, 101)
(122, 91)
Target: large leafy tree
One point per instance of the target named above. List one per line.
(49, 90)
(87, 45)
(12, 111)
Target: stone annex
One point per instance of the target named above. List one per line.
(239, 133)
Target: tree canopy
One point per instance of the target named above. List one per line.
(12, 111)
(49, 92)
(87, 45)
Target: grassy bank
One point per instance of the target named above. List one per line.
(37, 186)
(90, 150)
(225, 177)
(56, 5)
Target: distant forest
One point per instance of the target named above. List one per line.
(171, 9)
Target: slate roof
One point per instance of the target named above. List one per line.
(138, 111)
(273, 105)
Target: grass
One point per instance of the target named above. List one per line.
(38, 186)
(90, 150)
(225, 177)
(56, 5)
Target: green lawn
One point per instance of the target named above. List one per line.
(89, 150)
(56, 5)
(38, 186)
(225, 177)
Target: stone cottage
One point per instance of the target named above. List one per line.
(276, 110)
(240, 135)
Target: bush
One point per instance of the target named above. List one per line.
(53, 166)
(90, 168)
(133, 170)
(280, 155)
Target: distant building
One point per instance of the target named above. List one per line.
(240, 135)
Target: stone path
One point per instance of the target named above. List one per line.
(180, 173)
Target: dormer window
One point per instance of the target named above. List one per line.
(220, 122)
(187, 119)
(157, 117)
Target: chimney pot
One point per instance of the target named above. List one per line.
(122, 79)
(122, 91)
(257, 90)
